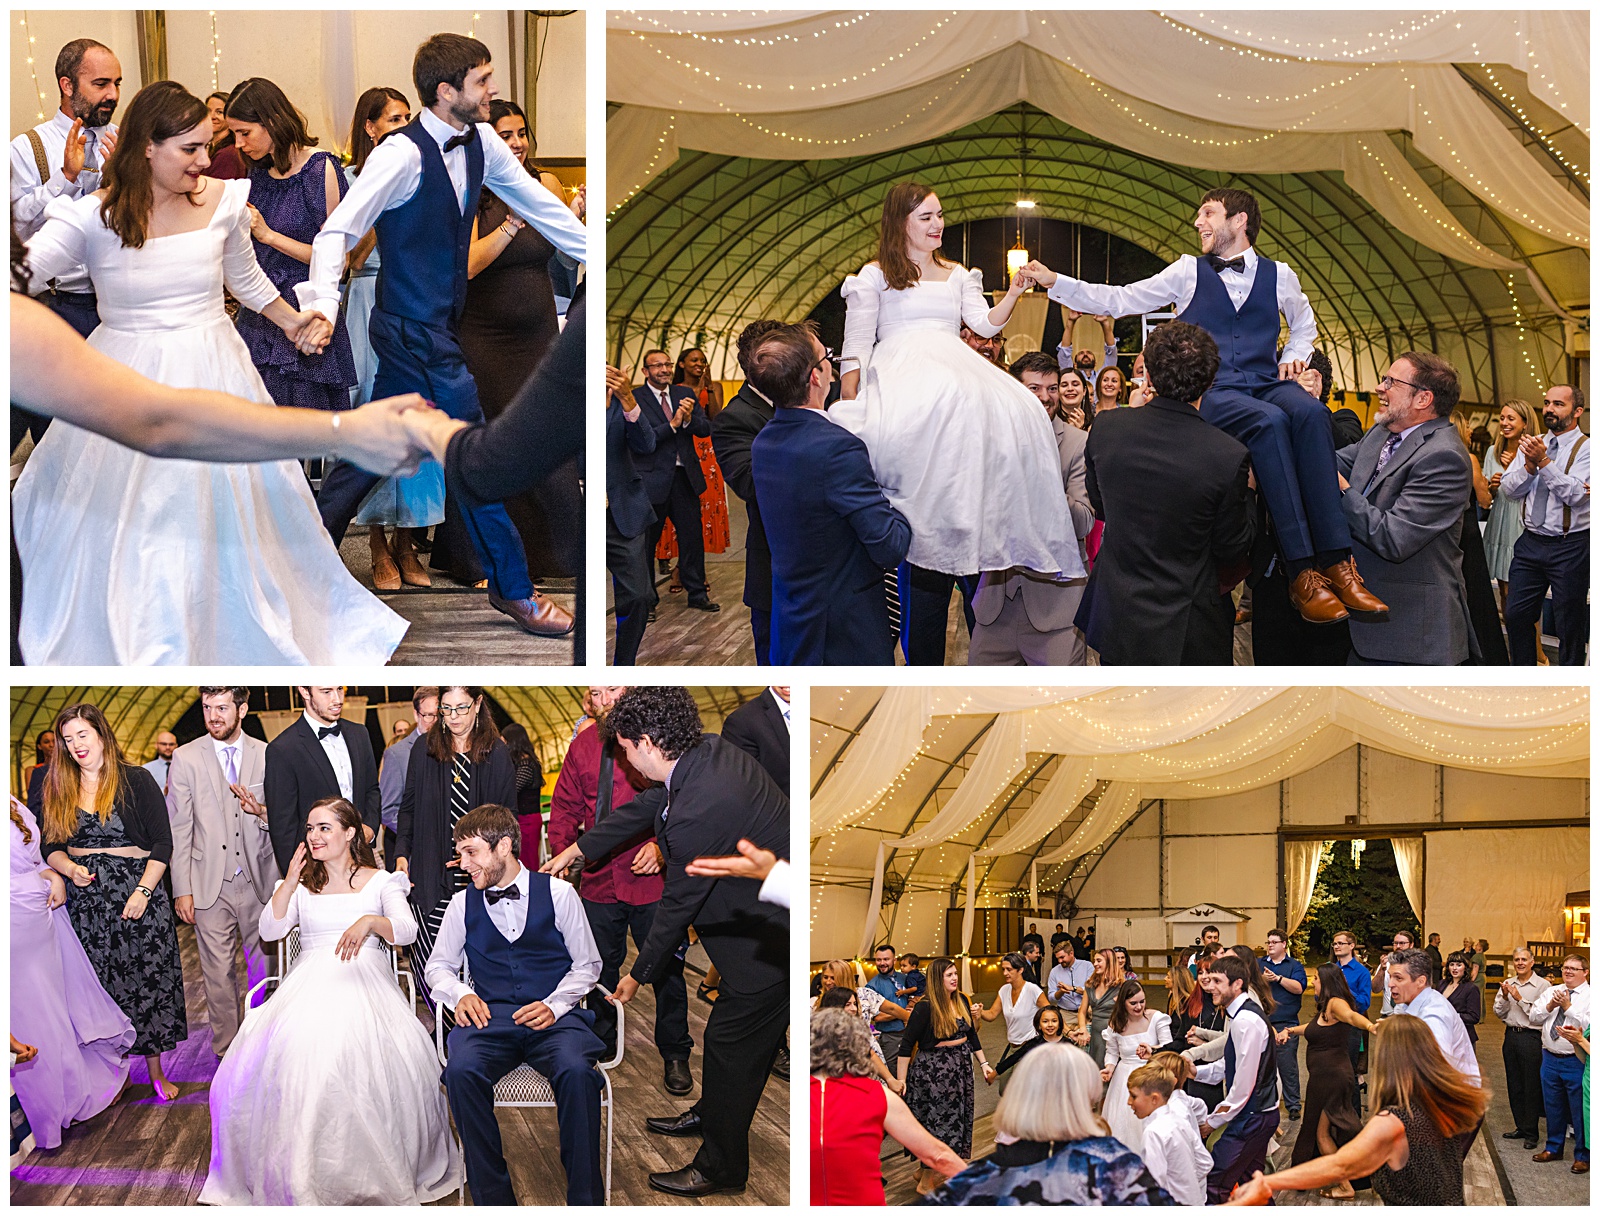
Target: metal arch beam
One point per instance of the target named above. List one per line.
(1105, 850)
(994, 822)
(843, 747)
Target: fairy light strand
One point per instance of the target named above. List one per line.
(27, 31)
(216, 53)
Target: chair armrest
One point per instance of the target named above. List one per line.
(250, 996)
(608, 1065)
(438, 1031)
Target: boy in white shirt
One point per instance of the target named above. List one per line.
(1173, 1151)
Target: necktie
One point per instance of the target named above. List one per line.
(1389, 446)
(466, 137)
(91, 150)
(666, 403)
(324, 731)
(1221, 264)
(495, 897)
(1541, 492)
(231, 755)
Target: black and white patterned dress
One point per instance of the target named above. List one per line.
(430, 919)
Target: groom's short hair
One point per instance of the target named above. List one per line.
(781, 363)
(241, 696)
(1235, 201)
(490, 823)
(445, 59)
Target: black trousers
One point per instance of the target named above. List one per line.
(742, 1038)
(1521, 1054)
(1560, 563)
(610, 924)
(633, 588)
(761, 632)
(926, 596)
(682, 507)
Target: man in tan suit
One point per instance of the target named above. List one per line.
(223, 870)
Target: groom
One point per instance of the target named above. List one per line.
(532, 958)
(420, 190)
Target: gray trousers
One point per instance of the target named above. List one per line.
(1012, 641)
(235, 917)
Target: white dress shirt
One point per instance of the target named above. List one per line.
(510, 916)
(1175, 1155)
(1550, 1017)
(775, 890)
(1064, 357)
(159, 768)
(390, 178)
(1175, 286)
(1548, 494)
(1451, 1032)
(338, 755)
(783, 708)
(1517, 1013)
(1249, 1037)
(30, 196)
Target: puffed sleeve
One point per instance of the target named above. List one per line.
(272, 929)
(1161, 1027)
(240, 270)
(975, 305)
(397, 909)
(62, 244)
(862, 293)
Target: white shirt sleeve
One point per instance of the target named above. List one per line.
(1568, 489)
(60, 245)
(240, 271)
(269, 926)
(389, 178)
(574, 927)
(1212, 1072)
(527, 196)
(1161, 1025)
(443, 972)
(1296, 310)
(1515, 482)
(1249, 1041)
(30, 197)
(398, 910)
(975, 305)
(775, 890)
(1174, 285)
(862, 293)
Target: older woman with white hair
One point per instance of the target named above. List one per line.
(1051, 1146)
(850, 1112)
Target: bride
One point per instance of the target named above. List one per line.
(330, 1092)
(131, 559)
(1134, 1033)
(959, 447)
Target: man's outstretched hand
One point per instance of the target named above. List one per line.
(1041, 274)
(752, 862)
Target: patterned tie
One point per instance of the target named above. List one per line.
(1541, 491)
(1383, 457)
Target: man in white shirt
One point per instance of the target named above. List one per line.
(1067, 979)
(1083, 360)
(1412, 993)
(166, 744)
(1248, 1113)
(527, 946)
(1237, 296)
(1520, 1050)
(420, 190)
(1562, 1014)
(1552, 481)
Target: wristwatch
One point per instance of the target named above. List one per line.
(145, 891)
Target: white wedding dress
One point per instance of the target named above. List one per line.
(330, 1092)
(1122, 1050)
(134, 560)
(960, 448)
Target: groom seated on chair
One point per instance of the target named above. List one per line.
(528, 948)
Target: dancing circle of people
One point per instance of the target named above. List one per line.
(1084, 525)
(328, 1088)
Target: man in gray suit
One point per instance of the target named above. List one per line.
(1025, 619)
(223, 870)
(1405, 487)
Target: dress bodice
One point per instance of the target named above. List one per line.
(324, 918)
(877, 312)
(92, 834)
(1125, 1046)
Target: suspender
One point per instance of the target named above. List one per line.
(39, 157)
(1566, 511)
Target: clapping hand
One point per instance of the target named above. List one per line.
(580, 202)
(350, 941)
(1562, 997)
(684, 413)
(1533, 452)
(619, 384)
(72, 155)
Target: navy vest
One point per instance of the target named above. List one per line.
(509, 975)
(422, 244)
(1266, 1091)
(1247, 339)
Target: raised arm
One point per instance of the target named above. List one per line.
(1147, 295)
(503, 173)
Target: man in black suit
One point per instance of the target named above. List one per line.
(672, 474)
(761, 727)
(319, 756)
(714, 794)
(1174, 492)
(629, 517)
(732, 432)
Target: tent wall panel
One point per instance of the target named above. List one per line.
(1251, 811)
(1127, 876)
(1398, 790)
(1480, 796)
(562, 64)
(837, 914)
(1238, 871)
(1506, 885)
(1325, 794)
(919, 924)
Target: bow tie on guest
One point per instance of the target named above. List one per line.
(466, 137)
(495, 897)
(324, 731)
(1221, 264)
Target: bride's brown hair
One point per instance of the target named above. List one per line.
(899, 271)
(315, 876)
(161, 111)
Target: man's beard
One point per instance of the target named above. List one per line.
(1384, 415)
(464, 113)
(1552, 422)
(492, 876)
(93, 116)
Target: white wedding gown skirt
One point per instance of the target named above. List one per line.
(134, 560)
(1123, 1051)
(959, 447)
(330, 1092)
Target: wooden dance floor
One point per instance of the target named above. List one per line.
(140, 1152)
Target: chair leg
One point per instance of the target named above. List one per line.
(611, 1118)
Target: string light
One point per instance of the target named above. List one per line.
(648, 173)
(1327, 48)
(216, 54)
(1544, 139)
(27, 32)
(769, 40)
(1522, 334)
(472, 30)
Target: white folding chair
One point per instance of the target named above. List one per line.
(289, 954)
(525, 1086)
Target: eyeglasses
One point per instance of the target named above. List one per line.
(828, 357)
(1391, 381)
(455, 711)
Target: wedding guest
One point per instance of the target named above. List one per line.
(1075, 407)
(1083, 360)
(672, 473)
(223, 870)
(1170, 1146)
(692, 371)
(1099, 999)
(1517, 419)
(226, 163)
(530, 784)
(317, 745)
(44, 745)
(1287, 983)
(1409, 985)
(1332, 1104)
(166, 744)
(942, 1034)
(1556, 1011)
(1359, 980)
(1519, 1050)
(1068, 978)
(1018, 1000)
(58, 1004)
(1482, 606)
(463, 764)
(106, 831)
(629, 517)
(293, 188)
(409, 505)
(761, 726)
(396, 763)
(1248, 1114)
(1049, 1026)
(1463, 994)
(1109, 389)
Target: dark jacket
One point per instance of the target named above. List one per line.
(423, 825)
(759, 728)
(1174, 492)
(719, 794)
(833, 534)
(732, 433)
(143, 809)
(626, 498)
(671, 446)
(299, 773)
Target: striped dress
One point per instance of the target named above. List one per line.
(429, 920)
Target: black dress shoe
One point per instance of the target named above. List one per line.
(780, 1064)
(1513, 1135)
(686, 1124)
(691, 1184)
(705, 605)
(677, 1078)
(1531, 1143)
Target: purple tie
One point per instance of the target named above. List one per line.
(233, 764)
(1383, 456)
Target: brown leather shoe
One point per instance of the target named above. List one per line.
(411, 571)
(1580, 1167)
(385, 574)
(1345, 582)
(540, 616)
(1314, 600)
(1544, 1155)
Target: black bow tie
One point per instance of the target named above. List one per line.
(495, 897)
(1221, 264)
(466, 137)
(324, 731)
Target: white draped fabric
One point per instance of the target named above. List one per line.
(1510, 903)
(1301, 861)
(1118, 803)
(1408, 861)
(863, 83)
(1067, 787)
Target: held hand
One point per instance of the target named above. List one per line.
(624, 991)
(1283, 1038)
(248, 802)
(1105, 1073)
(989, 1075)
(134, 908)
(1020, 282)
(897, 1086)
(1194, 1036)
(376, 436)
(431, 430)
(1288, 371)
(313, 335)
(648, 859)
(470, 1010)
(562, 860)
(1254, 1193)
(350, 941)
(1205, 1129)
(58, 890)
(536, 1016)
(1041, 274)
(25, 1052)
(752, 862)
(297, 865)
(81, 875)
(1142, 1051)
(72, 156)
(183, 905)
